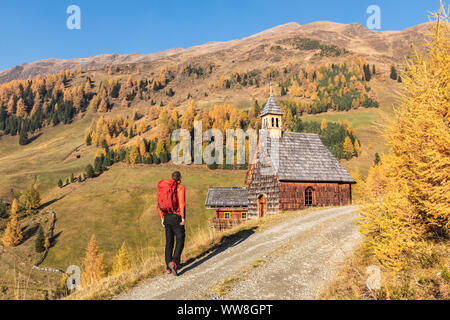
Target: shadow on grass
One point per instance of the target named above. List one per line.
(30, 140)
(226, 243)
(54, 239)
(28, 232)
(48, 203)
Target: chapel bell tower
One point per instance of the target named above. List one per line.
(272, 116)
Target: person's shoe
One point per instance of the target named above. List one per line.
(173, 267)
(168, 271)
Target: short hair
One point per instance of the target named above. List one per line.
(176, 176)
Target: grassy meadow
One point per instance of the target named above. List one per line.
(120, 205)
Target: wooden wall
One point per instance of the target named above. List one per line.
(235, 214)
(292, 195)
(263, 181)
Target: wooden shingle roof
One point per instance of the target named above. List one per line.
(271, 107)
(303, 157)
(227, 198)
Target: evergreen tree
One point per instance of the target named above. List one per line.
(393, 73)
(23, 139)
(90, 172)
(98, 165)
(377, 159)
(367, 75)
(88, 140)
(39, 243)
(60, 183)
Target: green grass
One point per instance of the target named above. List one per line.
(358, 118)
(45, 157)
(120, 205)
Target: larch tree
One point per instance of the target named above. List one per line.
(348, 146)
(413, 205)
(289, 119)
(32, 197)
(94, 267)
(324, 125)
(21, 109)
(357, 148)
(13, 233)
(122, 261)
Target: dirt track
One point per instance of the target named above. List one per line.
(291, 260)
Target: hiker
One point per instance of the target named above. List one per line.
(171, 206)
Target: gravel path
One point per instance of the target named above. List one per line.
(291, 260)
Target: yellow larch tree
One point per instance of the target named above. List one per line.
(21, 109)
(94, 268)
(13, 233)
(324, 124)
(357, 148)
(348, 146)
(122, 261)
(413, 205)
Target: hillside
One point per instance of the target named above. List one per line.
(119, 204)
(384, 47)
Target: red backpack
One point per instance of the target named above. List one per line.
(167, 196)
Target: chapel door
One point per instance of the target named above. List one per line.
(262, 206)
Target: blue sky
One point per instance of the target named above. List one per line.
(33, 30)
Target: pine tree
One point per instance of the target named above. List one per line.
(90, 172)
(393, 74)
(39, 243)
(88, 139)
(377, 159)
(122, 261)
(13, 233)
(23, 139)
(94, 268)
(60, 183)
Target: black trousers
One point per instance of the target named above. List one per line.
(174, 232)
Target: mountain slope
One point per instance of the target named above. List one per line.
(373, 45)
